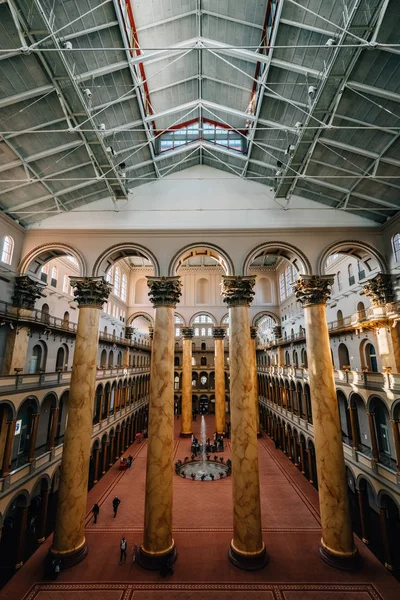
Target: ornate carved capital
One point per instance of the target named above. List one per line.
(277, 331)
(187, 333)
(164, 291)
(129, 332)
(253, 332)
(219, 333)
(90, 291)
(311, 290)
(238, 291)
(379, 289)
(151, 332)
(26, 292)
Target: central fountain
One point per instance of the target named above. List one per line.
(203, 469)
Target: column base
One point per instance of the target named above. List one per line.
(69, 559)
(342, 562)
(155, 561)
(248, 562)
(259, 434)
(185, 435)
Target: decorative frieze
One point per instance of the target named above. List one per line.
(90, 291)
(311, 290)
(164, 291)
(238, 290)
(379, 289)
(26, 292)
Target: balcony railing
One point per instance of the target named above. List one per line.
(361, 317)
(42, 380)
(38, 316)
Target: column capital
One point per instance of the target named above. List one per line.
(379, 289)
(151, 332)
(164, 291)
(238, 290)
(26, 292)
(90, 291)
(187, 333)
(219, 333)
(129, 331)
(277, 331)
(253, 332)
(311, 290)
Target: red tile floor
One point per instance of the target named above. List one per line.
(202, 532)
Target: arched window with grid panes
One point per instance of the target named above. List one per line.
(8, 249)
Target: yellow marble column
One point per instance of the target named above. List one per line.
(69, 543)
(337, 543)
(158, 544)
(186, 417)
(247, 550)
(253, 356)
(219, 365)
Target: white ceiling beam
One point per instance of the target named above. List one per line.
(89, 30)
(346, 191)
(306, 27)
(231, 19)
(40, 155)
(101, 71)
(73, 188)
(28, 95)
(367, 153)
(165, 21)
(374, 91)
(256, 57)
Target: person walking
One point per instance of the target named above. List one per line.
(116, 502)
(122, 547)
(95, 511)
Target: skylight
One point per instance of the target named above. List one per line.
(210, 131)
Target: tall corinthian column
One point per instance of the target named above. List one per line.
(247, 549)
(219, 365)
(69, 539)
(186, 422)
(158, 544)
(337, 543)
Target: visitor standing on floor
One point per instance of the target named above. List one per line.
(95, 511)
(122, 547)
(116, 502)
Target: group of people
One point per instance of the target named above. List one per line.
(96, 509)
(216, 446)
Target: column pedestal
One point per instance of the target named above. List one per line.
(69, 544)
(158, 545)
(186, 417)
(337, 543)
(247, 549)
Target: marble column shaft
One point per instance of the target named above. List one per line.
(53, 427)
(186, 417)
(41, 530)
(219, 365)
(158, 542)
(253, 367)
(33, 436)
(337, 535)
(247, 547)
(69, 537)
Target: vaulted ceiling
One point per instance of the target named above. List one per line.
(98, 97)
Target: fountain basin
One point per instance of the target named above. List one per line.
(202, 470)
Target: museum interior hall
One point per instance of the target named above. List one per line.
(199, 300)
